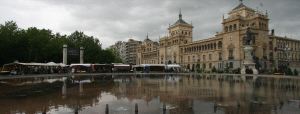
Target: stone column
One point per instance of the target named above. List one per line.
(81, 55)
(65, 54)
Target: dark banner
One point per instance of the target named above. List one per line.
(73, 52)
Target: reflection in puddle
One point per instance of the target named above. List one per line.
(171, 94)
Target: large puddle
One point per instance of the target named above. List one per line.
(151, 94)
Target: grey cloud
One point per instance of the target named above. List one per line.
(113, 20)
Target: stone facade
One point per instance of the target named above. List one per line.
(225, 48)
(147, 52)
(284, 52)
(127, 50)
(131, 51)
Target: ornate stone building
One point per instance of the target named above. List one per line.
(225, 48)
(147, 52)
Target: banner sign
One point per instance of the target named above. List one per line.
(73, 51)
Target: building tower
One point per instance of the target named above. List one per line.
(234, 28)
(180, 33)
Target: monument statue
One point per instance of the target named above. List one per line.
(248, 64)
(248, 37)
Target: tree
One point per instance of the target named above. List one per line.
(214, 69)
(288, 71)
(295, 72)
(41, 45)
(10, 42)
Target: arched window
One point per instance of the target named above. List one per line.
(215, 45)
(226, 29)
(194, 60)
(230, 54)
(234, 27)
(230, 28)
(220, 44)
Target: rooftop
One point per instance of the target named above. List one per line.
(180, 20)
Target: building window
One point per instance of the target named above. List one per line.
(234, 27)
(203, 58)
(193, 58)
(210, 65)
(174, 59)
(226, 29)
(230, 64)
(264, 53)
(181, 59)
(220, 56)
(209, 56)
(219, 44)
(230, 54)
(215, 45)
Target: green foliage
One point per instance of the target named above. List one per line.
(214, 70)
(117, 58)
(275, 70)
(295, 72)
(41, 45)
(237, 71)
(288, 71)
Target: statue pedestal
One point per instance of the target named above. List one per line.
(248, 62)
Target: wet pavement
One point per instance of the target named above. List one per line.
(150, 94)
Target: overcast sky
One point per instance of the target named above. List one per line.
(114, 20)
